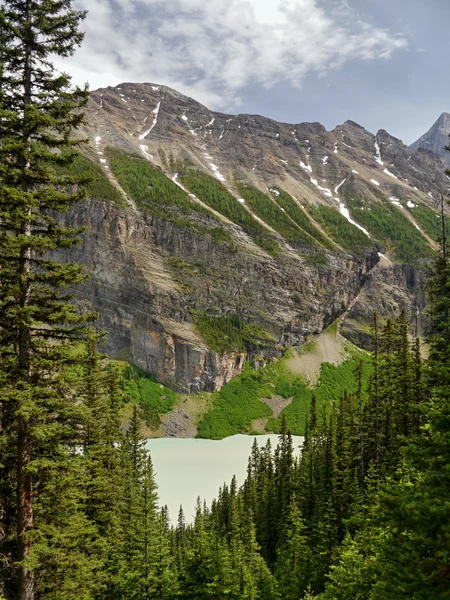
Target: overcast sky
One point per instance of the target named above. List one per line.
(382, 63)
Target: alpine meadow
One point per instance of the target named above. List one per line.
(168, 271)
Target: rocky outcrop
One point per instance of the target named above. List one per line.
(436, 138)
(388, 289)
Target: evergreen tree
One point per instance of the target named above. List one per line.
(293, 566)
(38, 113)
(102, 472)
(416, 509)
(402, 549)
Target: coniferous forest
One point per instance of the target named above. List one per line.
(364, 513)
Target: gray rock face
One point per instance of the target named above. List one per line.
(145, 307)
(437, 138)
(150, 274)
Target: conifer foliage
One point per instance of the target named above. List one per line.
(38, 113)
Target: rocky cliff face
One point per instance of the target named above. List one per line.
(144, 303)
(154, 270)
(436, 138)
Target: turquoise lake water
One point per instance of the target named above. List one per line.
(187, 468)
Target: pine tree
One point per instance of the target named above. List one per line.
(402, 549)
(102, 472)
(38, 113)
(416, 509)
(136, 529)
(293, 566)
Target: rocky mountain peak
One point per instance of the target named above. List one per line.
(437, 138)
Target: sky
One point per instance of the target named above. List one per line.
(381, 63)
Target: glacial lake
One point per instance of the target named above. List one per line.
(186, 468)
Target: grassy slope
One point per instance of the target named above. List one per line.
(388, 225)
(215, 195)
(239, 403)
(234, 408)
(139, 387)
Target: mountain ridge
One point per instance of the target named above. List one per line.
(285, 226)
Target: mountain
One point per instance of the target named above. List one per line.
(212, 239)
(437, 138)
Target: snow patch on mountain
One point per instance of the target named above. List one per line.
(145, 152)
(216, 172)
(155, 120)
(390, 174)
(326, 191)
(378, 154)
(345, 213)
(395, 201)
(336, 189)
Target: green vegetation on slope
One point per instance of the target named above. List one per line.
(429, 220)
(272, 214)
(236, 406)
(215, 195)
(141, 388)
(98, 185)
(333, 382)
(230, 333)
(388, 225)
(339, 229)
(285, 201)
(149, 187)
(238, 403)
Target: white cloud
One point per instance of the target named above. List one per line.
(213, 49)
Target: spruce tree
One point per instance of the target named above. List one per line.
(38, 113)
(402, 549)
(293, 566)
(416, 509)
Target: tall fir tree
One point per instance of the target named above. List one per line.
(38, 113)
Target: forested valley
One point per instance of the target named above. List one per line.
(362, 514)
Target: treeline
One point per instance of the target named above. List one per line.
(307, 512)
(339, 229)
(297, 214)
(149, 187)
(97, 183)
(283, 216)
(328, 524)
